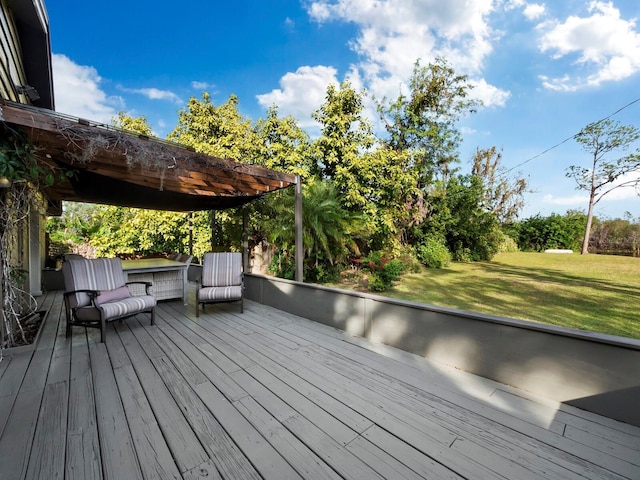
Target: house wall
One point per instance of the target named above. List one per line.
(11, 67)
(26, 52)
(598, 373)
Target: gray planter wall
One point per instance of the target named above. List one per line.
(598, 373)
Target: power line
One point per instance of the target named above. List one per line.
(568, 138)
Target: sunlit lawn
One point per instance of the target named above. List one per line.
(600, 293)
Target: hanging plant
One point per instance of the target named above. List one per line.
(22, 175)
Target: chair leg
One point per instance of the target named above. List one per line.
(103, 331)
(241, 305)
(153, 316)
(197, 308)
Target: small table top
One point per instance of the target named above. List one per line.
(151, 265)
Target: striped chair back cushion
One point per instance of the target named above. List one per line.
(222, 269)
(91, 274)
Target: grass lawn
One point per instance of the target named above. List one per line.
(599, 293)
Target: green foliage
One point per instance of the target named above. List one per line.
(540, 233)
(507, 244)
(141, 232)
(218, 131)
(328, 228)
(423, 121)
(345, 133)
(284, 145)
(616, 235)
(458, 219)
(132, 124)
(283, 263)
(384, 270)
(433, 254)
(19, 160)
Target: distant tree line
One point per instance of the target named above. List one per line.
(539, 233)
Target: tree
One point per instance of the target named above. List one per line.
(328, 231)
(600, 139)
(503, 196)
(218, 131)
(345, 132)
(284, 145)
(423, 122)
(132, 124)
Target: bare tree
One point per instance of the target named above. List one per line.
(503, 195)
(600, 139)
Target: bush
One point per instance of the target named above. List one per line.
(384, 271)
(434, 254)
(508, 245)
(408, 258)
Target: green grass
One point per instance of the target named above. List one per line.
(599, 293)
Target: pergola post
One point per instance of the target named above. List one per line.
(245, 238)
(298, 222)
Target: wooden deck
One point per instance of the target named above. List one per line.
(265, 394)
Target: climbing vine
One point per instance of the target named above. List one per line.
(22, 175)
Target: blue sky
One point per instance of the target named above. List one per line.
(543, 70)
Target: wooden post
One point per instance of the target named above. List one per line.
(298, 222)
(213, 230)
(245, 239)
(190, 233)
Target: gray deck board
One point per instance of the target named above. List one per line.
(269, 395)
(83, 445)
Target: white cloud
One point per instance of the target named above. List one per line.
(301, 92)
(202, 85)
(78, 91)
(572, 200)
(393, 34)
(533, 11)
(155, 94)
(606, 45)
(489, 94)
(632, 190)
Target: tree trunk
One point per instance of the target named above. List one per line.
(587, 230)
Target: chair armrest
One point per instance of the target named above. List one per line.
(92, 293)
(147, 285)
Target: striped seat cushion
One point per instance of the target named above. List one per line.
(115, 310)
(213, 294)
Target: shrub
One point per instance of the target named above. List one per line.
(408, 258)
(434, 254)
(508, 245)
(384, 271)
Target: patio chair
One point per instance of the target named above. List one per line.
(221, 280)
(96, 293)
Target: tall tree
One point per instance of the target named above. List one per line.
(600, 139)
(345, 132)
(503, 195)
(423, 121)
(372, 179)
(284, 146)
(218, 131)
